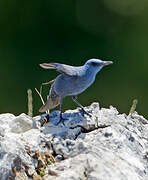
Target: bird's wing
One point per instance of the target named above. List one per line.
(62, 68)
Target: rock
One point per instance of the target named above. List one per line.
(59, 158)
(21, 124)
(107, 146)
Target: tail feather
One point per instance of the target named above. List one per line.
(50, 104)
(48, 65)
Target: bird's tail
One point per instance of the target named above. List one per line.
(51, 103)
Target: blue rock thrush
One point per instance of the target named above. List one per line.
(72, 81)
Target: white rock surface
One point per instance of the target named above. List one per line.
(106, 146)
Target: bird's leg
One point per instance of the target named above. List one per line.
(61, 118)
(61, 108)
(74, 98)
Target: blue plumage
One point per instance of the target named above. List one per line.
(72, 81)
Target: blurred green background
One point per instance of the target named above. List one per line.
(37, 31)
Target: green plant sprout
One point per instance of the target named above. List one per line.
(30, 104)
(133, 108)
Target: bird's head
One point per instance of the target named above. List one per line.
(96, 64)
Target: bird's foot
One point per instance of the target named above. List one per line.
(85, 112)
(62, 120)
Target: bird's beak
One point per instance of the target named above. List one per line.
(105, 63)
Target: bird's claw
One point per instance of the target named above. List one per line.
(62, 120)
(85, 112)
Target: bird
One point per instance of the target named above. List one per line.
(72, 81)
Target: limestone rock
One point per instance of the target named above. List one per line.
(107, 145)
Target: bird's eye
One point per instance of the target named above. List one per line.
(94, 63)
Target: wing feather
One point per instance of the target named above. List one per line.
(62, 68)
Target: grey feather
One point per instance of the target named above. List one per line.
(52, 102)
(62, 68)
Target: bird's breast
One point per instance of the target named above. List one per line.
(71, 85)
